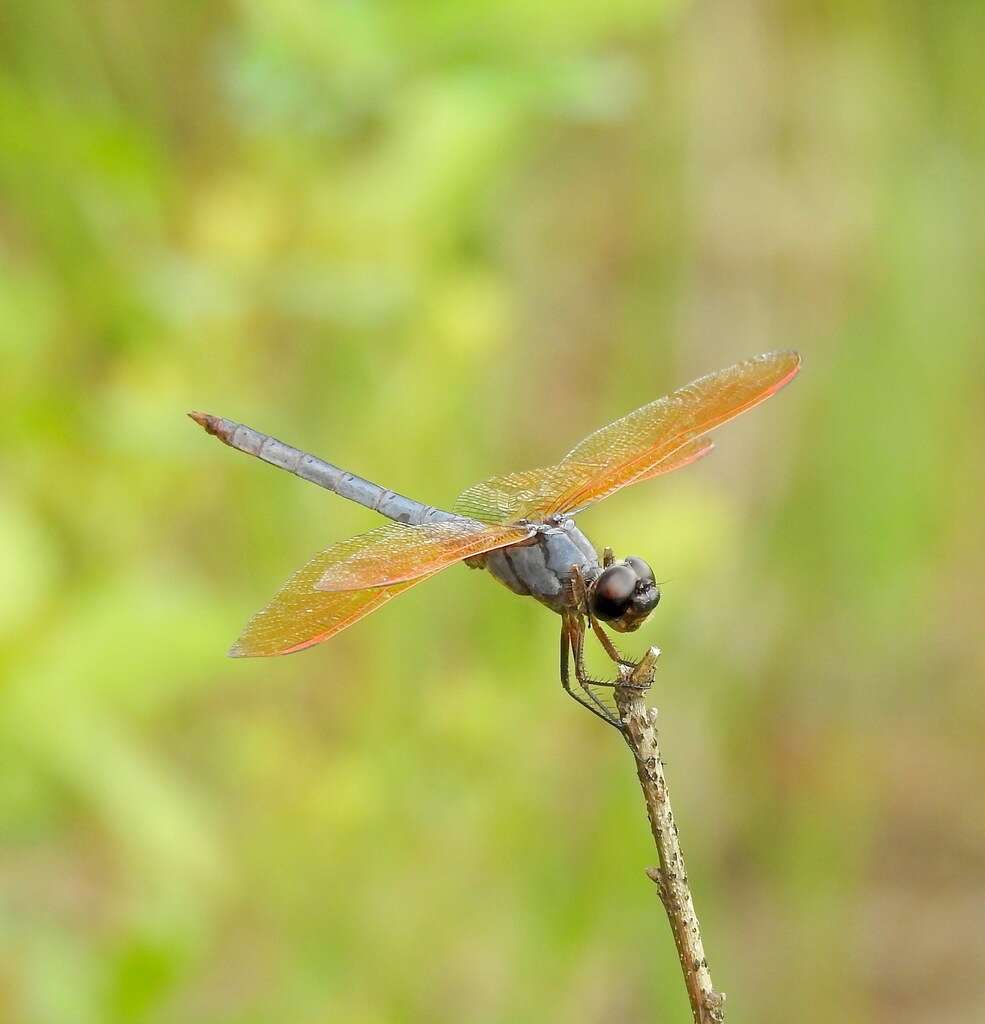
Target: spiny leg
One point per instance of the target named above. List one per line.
(610, 647)
(581, 670)
(581, 596)
(585, 680)
(570, 630)
(588, 683)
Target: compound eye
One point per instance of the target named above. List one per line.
(641, 569)
(613, 592)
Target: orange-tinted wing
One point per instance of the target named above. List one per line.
(684, 456)
(396, 554)
(655, 439)
(502, 499)
(299, 616)
(302, 613)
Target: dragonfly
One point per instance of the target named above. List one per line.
(519, 527)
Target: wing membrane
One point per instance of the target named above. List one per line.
(347, 581)
(657, 438)
(684, 456)
(504, 499)
(299, 616)
(396, 553)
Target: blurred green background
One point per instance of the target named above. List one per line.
(431, 242)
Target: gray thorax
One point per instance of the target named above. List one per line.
(541, 567)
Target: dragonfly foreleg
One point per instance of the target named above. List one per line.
(610, 648)
(581, 672)
(580, 589)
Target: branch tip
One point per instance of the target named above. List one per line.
(670, 877)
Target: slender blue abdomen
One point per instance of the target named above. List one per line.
(388, 503)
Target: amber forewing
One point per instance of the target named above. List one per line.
(656, 438)
(395, 554)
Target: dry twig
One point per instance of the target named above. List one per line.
(670, 878)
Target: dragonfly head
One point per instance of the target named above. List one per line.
(624, 594)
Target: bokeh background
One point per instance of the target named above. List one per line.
(434, 241)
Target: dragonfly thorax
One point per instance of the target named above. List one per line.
(542, 566)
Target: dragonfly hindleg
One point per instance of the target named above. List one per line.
(572, 636)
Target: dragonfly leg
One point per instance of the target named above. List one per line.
(610, 648)
(572, 634)
(588, 683)
(580, 590)
(581, 671)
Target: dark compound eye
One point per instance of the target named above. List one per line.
(613, 592)
(641, 569)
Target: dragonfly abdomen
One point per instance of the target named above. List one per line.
(397, 507)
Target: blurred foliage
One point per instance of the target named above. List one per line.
(433, 241)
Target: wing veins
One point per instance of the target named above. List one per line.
(631, 449)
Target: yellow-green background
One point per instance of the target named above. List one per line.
(434, 241)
